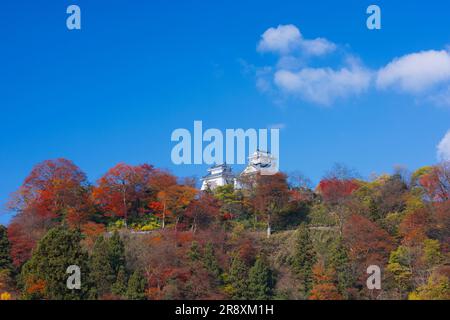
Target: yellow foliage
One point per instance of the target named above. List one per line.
(437, 288)
(5, 296)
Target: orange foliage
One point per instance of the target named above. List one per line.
(36, 286)
(92, 230)
(324, 288)
(414, 226)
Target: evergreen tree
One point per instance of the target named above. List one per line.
(238, 274)
(44, 275)
(259, 281)
(194, 251)
(210, 262)
(304, 258)
(340, 263)
(5, 256)
(116, 251)
(136, 286)
(119, 288)
(102, 273)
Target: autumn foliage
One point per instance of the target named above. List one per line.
(145, 234)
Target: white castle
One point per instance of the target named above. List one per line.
(220, 175)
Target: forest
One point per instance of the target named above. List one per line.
(141, 233)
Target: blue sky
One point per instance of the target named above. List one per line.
(137, 70)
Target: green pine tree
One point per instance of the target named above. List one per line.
(5, 255)
(119, 288)
(194, 251)
(237, 278)
(210, 262)
(259, 281)
(116, 251)
(136, 287)
(340, 263)
(102, 273)
(47, 268)
(304, 258)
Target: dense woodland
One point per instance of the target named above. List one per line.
(141, 233)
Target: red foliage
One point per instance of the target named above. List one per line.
(414, 226)
(202, 211)
(22, 241)
(368, 244)
(124, 189)
(161, 180)
(272, 193)
(156, 206)
(335, 190)
(54, 190)
(52, 187)
(437, 183)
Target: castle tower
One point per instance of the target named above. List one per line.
(218, 175)
(258, 162)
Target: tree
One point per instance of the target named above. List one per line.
(238, 278)
(202, 211)
(210, 262)
(324, 288)
(194, 252)
(339, 262)
(367, 243)
(260, 282)
(175, 199)
(119, 288)
(136, 286)
(304, 258)
(23, 235)
(116, 252)
(435, 181)
(102, 272)
(124, 191)
(400, 266)
(52, 187)
(233, 204)
(5, 255)
(414, 226)
(271, 196)
(432, 255)
(437, 288)
(335, 191)
(44, 275)
(390, 196)
(55, 192)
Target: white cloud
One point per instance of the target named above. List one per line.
(443, 148)
(281, 39)
(424, 75)
(286, 39)
(318, 47)
(416, 72)
(323, 85)
(291, 75)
